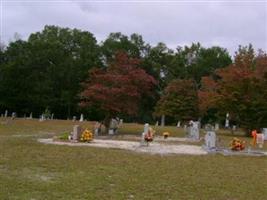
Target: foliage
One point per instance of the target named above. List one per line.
(239, 89)
(179, 100)
(64, 136)
(46, 70)
(118, 88)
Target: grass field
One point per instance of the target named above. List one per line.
(33, 171)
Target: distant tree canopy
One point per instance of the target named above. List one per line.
(46, 70)
(50, 70)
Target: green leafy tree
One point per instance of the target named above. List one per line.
(47, 69)
(179, 101)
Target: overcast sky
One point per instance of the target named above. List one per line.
(176, 23)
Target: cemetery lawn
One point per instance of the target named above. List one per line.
(32, 170)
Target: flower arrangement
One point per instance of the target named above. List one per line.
(166, 135)
(86, 136)
(149, 136)
(237, 145)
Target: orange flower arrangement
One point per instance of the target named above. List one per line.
(166, 135)
(237, 145)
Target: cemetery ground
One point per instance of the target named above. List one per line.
(32, 170)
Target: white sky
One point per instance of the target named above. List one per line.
(176, 23)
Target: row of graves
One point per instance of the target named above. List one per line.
(212, 143)
(237, 146)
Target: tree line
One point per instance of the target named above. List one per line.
(69, 72)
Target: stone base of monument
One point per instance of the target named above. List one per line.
(229, 152)
(245, 152)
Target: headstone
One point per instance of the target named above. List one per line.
(81, 118)
(30, 115)
(121, 122)
(97, 128)
(52, 116)
(227, 121)
(210, 139)
(74, 118)
(146, 129)
(185, 128)
(42, 118)
(234, 127)
(13, 115)
(157, 123)
(194, 130)
(217, 127)
(113, 126)
(76, 133)
(264, 131)
(162, 120)
(260, 140)
(178, 124)
(111, 132)
(6, 114)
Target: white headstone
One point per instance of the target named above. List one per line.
(194, 130)
(13, 115)
(185, 128)
(97, 128)
(30, 115)
(113, 125)
(227, 121)
(111, 132)
(217, 127)
(146, 129)
(210, 139)
(6, 113)
(121, 122)
(42, 118)
(162, 120)
(260, 140)
(74, 118)
(264, 131)
(234, 127)
(81, 118)
(52, 116)
(178, 124)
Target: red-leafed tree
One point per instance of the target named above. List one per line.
(117, 89)
(240, 89)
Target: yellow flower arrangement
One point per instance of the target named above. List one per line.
(86, 136)
(166, 135)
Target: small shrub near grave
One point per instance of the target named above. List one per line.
(64, 136)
